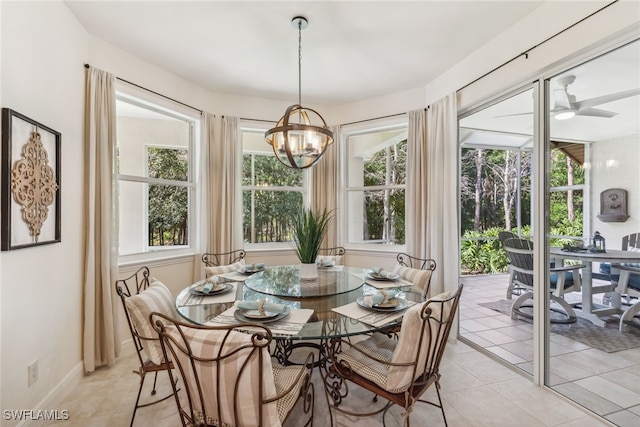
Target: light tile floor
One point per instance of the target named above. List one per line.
(477, 391)
(606, 383)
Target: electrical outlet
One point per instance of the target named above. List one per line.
(32, 371)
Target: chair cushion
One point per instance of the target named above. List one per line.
(157, 297)
(222, 269)
(377, 345)
(284, 377)
(207, 344)
(395, 379)
(406, 350)
(568, 279)
(419, 278)
(632, 264)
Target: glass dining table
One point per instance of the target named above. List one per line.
(334, 287)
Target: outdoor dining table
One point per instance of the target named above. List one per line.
(331, 299)
(589, 309)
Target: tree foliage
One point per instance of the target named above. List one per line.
(268, 211)
(168, 204)
(384, 210)
(488, 185)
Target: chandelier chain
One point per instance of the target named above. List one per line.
(300, 62)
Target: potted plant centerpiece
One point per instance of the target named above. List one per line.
(309, 229)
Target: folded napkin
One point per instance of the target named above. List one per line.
(261, 305)
(326, 263)
(382, 273)
(381, 296)
(210, 282)
(251, 267)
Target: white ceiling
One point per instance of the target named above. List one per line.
(352, 50)
(614, 72)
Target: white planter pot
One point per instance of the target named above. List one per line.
(308, 271)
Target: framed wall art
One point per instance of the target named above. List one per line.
(30, 189)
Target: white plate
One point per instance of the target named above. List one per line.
(254, 315)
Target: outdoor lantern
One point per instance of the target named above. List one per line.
(598, 243)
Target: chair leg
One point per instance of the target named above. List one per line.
(155, 380)
(444, 417)
(628, 315)
(135, 408)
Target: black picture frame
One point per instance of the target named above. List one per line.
(31, 209)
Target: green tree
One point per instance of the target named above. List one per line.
(168, 204)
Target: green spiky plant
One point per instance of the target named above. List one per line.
(309, 229)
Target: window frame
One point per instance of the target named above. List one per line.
(159, 104)
(370, 126)
(249, 126)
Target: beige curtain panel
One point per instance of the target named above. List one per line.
(101, 343)
(432, 190)
(324, 187)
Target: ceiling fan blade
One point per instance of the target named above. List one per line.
(513, 115)
(592, 102)
(595, 112)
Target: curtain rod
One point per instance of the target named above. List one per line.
(154, 92)
(526, 52)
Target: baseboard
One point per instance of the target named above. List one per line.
(57, 394)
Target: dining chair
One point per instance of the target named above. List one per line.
(511, 288)
(228, 377)
(140, 296)
(562, 280)
(416, 270)
(401, 370)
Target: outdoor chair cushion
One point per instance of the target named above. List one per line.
(634, 278)
(157, 297)
(568, 279)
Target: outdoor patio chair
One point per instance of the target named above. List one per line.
(140, 296)
(563, 279)
(401, 370)
(228, 378)
(627, 277)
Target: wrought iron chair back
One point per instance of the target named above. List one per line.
(227, 375)
(414, 262)
(217, 259)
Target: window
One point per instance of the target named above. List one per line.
(375, 184)
(156, 190)
(272, 193)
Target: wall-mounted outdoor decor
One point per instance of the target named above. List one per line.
(30, 182)
(613, 205)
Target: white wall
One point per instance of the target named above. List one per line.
(43, 49)
(615, 165)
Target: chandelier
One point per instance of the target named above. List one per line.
(301, 136)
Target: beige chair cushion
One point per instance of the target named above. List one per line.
(419, 278)
(395, 379)
(207, 344)
(157, 297)
(222, 269)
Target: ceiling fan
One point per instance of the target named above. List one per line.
(565, 105)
